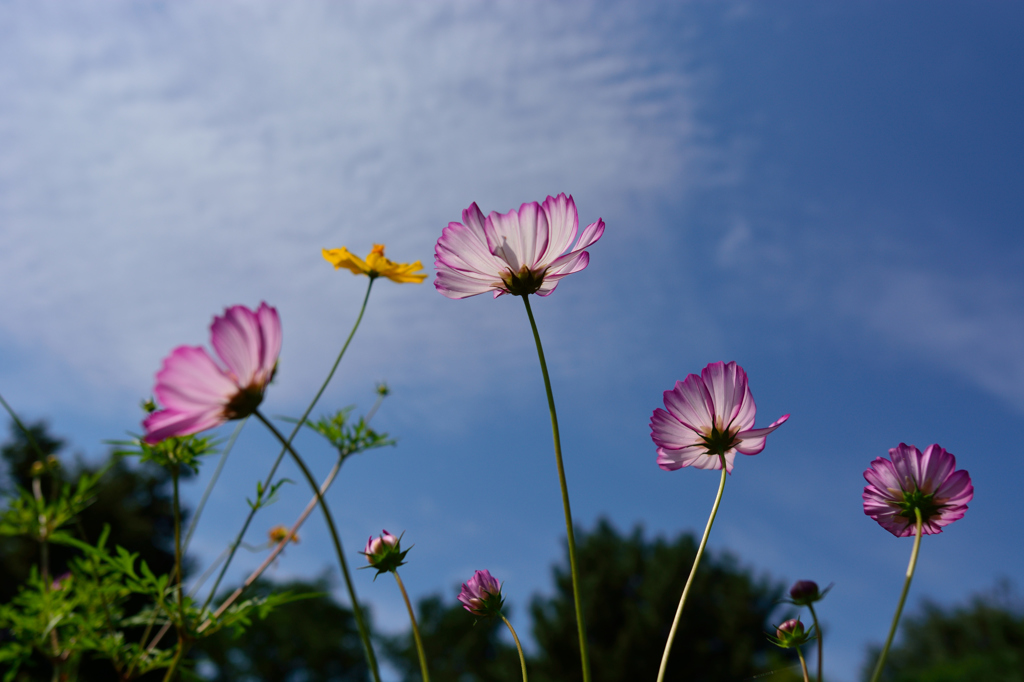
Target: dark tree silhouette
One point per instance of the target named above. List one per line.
(980, 642)
(459, 647)
(313, 640)
(630, 588)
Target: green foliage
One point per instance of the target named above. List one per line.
(459, 646)
(314, 640)
(980, 642)
(630, 588)
(347, 438)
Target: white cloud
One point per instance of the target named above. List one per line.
(163, 160)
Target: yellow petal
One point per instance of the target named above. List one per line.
(343, 258)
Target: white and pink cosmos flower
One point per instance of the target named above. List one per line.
(927, 481)
(198, 394)
(520, 252)
(707, 417)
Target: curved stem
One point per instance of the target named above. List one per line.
(415, 629)
(522, 659)
(287, 444)
(821, 645)
(584, 658)
(903, 596)
(803, 664)
(693, 572)
(177, 555)
(364, 634)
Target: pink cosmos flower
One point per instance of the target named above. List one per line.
(928, 482)
(198, 394)
(481, 596)
(521, 252)
(707, 416)
(385, 553)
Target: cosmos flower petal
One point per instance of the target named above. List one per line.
(271, 334)
(690, 403)
(672, 434)
(167, 423)
(672, 459)
(752, 442)
(591, 234)
(237, 339)
(190, 380)
(563, 222)
(726, 384)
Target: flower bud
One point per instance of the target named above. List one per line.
(481, 596)
(791, 634)
(385, 552)
(806, 592)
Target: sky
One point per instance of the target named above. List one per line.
(827, 193)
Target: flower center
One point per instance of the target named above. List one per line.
(523, 282)
(719, 442)
(244, 402)
(919, 500)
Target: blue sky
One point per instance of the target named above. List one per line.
(827, 193)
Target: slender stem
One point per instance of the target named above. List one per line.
(584, 657)
(522, 659)
(169, 675)
(903, 596)
(291, 437)
(177, 552)
(277, 549)
(803, 664)
(693, 572)
(24, 429)
(213, 481)
(821, 645)
(364, 634)
(415, 629)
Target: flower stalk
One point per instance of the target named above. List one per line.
(584, 658)
(357, 611)
(519, 647)
(415, 628)
(903, 596)
(693, 572)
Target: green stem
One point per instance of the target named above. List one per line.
(28, 434)
(693, 572)
(803, 664)
(280, 455)
(903, 596)
(522, 659)
(584, 658)
(177, 554)
(821, 645)
(415, 629)
(364, 634)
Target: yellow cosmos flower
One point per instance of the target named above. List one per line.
(375, 265)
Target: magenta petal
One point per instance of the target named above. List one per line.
(236, 338)
(191, 380)
(752, 442)
(168, 423)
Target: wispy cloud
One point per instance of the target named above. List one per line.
(162, 160)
